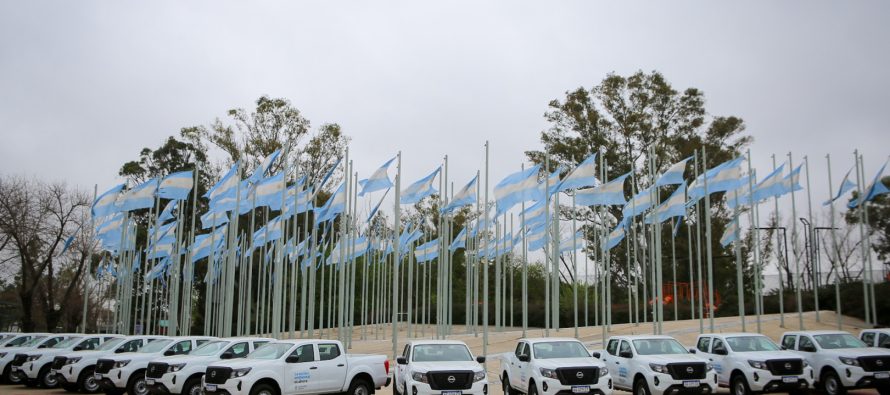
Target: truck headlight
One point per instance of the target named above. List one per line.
(709, 366)
(2, 354)
(478, 376)
(237, 372)
(71, 361)
(805, 364)
(604, 371)
(175, 367)
(758, 365)
(548, 373)
(32, 358)
(849, 361)
(120, 364)
(658, 368)
(421, 377)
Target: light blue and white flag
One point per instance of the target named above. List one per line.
(334, 206)
(111, 225)
(552, 180)
(165, 230)
(724, 177)
(770, 186)
(270, 192)
(466, 196)
(260, 172)
(876, 188)
(460, 241)
(573, 243)
(616, 235)
(674, 174)
(674, 206)
(360, 247)
(582, 176)
(142, 196)
(105, 204)
(228, 182)
(206, 243)
(638, 204)
(420, 189)
(791, 182)
(158, 270)
(269, 232)
(214, 219)
(608, 194)
(377, 207)
(427, 251)
(163, 248)
(516, 188)
(176, 186)
(730, 234)
(379, 180)
(298, 202)
(536, 237)
(535, 214)
(846, 186)
(167, 212)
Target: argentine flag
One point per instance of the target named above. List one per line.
(228, 182)
(639, 203)
(270, 192)
(572, 243)
(466, 196)
(112, 224)
(616, 235)
(553, 181)
(517, 187)
(725, 177)
(206, 243)
(360, 246)
(876, 188)
(420, 189)
(105, 203)
(770, 186)
(176, 186)
(534, 214)
(334, 206)
(674, 206)
(846, 186)
(260, 171)
(608, 194)
(730, 234)
(791, 182)
(460, 241)
(141, 196)
(536, 237)
(167, 212)
(427, 251)
(378, 181)
(674, 174)
(583, 176)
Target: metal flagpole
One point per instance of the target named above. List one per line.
(860, 178)
(753, 218)
(674, 267)
(814, 265)
(836, 261)
(395, 250)
(485, 265)
(86, 276)
(547, 256)
(698, 261)
(797, 273)
(710, 253)
(871, 272)
(575, 263)
(779, 258)
(740, 289)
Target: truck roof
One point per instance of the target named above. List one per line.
(247, 338)
(819, 332)
(415, 342)
(549, 339)
(733, 334)
(638, 337)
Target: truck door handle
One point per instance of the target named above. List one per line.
(340, 365)
(314, 367)
(616, 363)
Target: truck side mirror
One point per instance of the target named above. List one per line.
(596, 354)
(401, 360)
(169, 352)
(77, 348)
(720, 351)
(480, 359)
(119, 350)
(524, 358)
(626, 354)
(692, 351)
(292, 359)
(227, 355)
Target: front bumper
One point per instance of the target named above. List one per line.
(70, 373)
(29, 370)
(115, 379)
(856, 377)
(417, 388)
(762, 380)
(664, 384)
(169, 383)
(230, 387)
(547, 386)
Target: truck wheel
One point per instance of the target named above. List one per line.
(640, 387)
(395, 386)
(192, 387)
(47, 379)
(740, 385)
(262, 389)
(532, 388)
(359, 387)
(505, 383)
(136, 385)
(87, 382)
(832, 384)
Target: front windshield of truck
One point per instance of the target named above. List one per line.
(270, 351)
(33, 342)
(838, 340)
(658, 347)
(751, 344)
(210, 348)
(569, 349)
(17, 342)
(155, 346)
(68, 342)
(110, 344)
(441, 353)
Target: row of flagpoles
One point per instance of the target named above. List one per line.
(314, 264)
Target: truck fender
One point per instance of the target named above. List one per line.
(355, 372)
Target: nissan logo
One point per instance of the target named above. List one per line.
(879, 362)
(788, 365)
(690, 370)
(213, 374)
(451, 379)
(579, 375)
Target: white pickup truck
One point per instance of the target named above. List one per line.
(439, 367)
(288, 367)
(657, 365)
(181, 374)
(751, 363)
(75, 370)
(551, 366)
(37, 368)
(126, 371)
(876, 337)
(841, 361)
(12, 358)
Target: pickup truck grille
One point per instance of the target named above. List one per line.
(578, 376)
(19, 360)
(454, 380)
(217, 375)
(58, 362)
(785, 367)
(155, 370)
(687, 371)
(104, 365)
(875, 364)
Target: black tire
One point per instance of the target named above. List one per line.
(263, 389)
(884, 390)
(641, 388)
(359, 386)
(532, 388)
(86, 383)
(739, 385)
(395, 385)
(505, 383)
(13, 378)
(46, 378)
(831, 384)
(136, 384)
(192, 387)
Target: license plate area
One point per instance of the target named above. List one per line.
(210, 387)
(580, 389)
(150, 381)
(882, 375)
(452, 392)
(97, 376)
(789, 379)
(691, 383)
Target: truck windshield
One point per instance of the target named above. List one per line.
(441, 353)
(270, 351)
(155, 346)
(110, 344)
(68, 342)
(568, 349)
(17, 342)
(33, 342)
(658, 347)
(751, 343)
(838, 340)
(211, 348)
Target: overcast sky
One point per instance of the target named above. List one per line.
(85, 85)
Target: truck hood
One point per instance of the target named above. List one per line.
(555, 363)
(136, 356)
(424, 367)
(672, 358)
(857, 352)
(49, 352)
(240, 363)
(767, 355)
(86, 354)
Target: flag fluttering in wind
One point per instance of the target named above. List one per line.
(427, 251)
(770, 186)
(582, 176)
(466, 196)
(141, 196)
(552, 180)
(724, 177)
(105, 204)
(616, 235)
(608, 194)
(876, 188)
(674, 206)
(176, 186)
(516, 188)
(213, 219)
(269, 192)
(846, 186)
(334, 206)
(420, 189)
(638, 204)
(377, 207)
(536, 237)
(167, 212)
(378, 181)
(534, 214)
(460, 241)
(674, 174)
(573, 243)
(260, 171)
(206, 243)
(730, 234)
(229, 182)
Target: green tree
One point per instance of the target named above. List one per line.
(878, 226)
